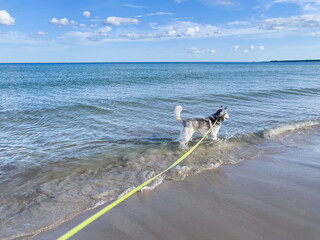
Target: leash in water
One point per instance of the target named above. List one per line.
(115, 203)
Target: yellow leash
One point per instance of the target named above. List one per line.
(115, 203)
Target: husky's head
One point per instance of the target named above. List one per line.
(221, 114)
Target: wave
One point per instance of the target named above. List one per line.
(286, 91)
(256, 95)
(65, 107)
(289, 128)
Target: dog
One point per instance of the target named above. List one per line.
(200, 125)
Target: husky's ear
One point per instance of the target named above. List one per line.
(221, 107)
(225, 108)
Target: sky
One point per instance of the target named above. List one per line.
(158, 31)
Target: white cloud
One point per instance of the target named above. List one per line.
(172, 33)
(103, 31)
(86, 14)
(305, 5)
(133, 36)
(235, 47)
(5, 18)
(241, 31)
(243, 23)
(82, 25)
(297, 22)
(225, 3)
(159, 13)
(117, 21)
(153, 25)
(78, 34)
(179, 29)
(156, 35)
(261, 47)
(246, 51)
(94, 35)
(62, 21)
(199, 51)
(192, 31)
(14, 37)
(41, 33)
(133, 6)
(186, 29)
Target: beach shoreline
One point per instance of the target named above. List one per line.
(274, 196)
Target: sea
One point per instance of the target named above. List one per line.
(74, 136)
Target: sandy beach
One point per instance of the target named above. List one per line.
(275, 196)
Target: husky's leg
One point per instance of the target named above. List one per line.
(214, 132)
(187, 135)
(181, 136)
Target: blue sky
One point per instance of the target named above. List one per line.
(166, 30)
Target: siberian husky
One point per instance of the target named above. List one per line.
(200, 125)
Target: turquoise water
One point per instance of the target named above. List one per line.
(73, 136)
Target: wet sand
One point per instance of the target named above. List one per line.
(275, 196)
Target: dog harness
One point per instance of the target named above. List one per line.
(212, 119)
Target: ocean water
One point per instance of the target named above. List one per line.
(74, 136)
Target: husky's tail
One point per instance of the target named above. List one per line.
(177, 113)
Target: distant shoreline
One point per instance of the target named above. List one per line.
(271, 61)
(307, 60)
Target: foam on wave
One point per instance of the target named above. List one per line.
(289, 128)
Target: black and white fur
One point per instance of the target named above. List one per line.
(200, 125)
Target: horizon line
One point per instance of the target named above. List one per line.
(267, 61)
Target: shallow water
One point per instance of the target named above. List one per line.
(274, 196)
(74, 136)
